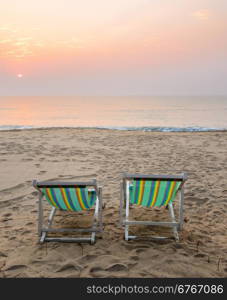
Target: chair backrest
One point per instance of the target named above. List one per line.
(154, 190)
(71, 196)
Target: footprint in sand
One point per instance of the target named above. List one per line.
(97, 272)
(7, 215)
(42, 172)
(2, 254)
(200, 255)
(14, 270)
(26, 232)
(118, 267)
(69, 270)
(87, 258)
(29, 223)
(15, 267)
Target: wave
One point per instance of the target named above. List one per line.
(166, 129)
(127, 128)
(16, 127)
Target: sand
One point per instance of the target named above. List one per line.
(72, 154)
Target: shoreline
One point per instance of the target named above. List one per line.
(134, 129)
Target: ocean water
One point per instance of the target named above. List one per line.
(156, 113)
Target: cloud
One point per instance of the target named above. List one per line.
(202, 14)
(5, 41)
(18, 43)
(71, 43)
(39, 44)
(4, 28)
(24, 38)
(35, 29)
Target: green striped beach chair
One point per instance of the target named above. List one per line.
(71, 197)
(152, 191)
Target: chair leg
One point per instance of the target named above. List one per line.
(121, 205)
(100, 209)
(127, 212)
(97, 218)
(51, 216)
(126, 232)
(50, 221)
(40, 214)
(92, 238)
(181, 208)
(172, 215)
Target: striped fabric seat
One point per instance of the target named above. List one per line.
(150, 193)
(70, 198)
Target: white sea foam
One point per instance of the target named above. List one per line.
(156, 129)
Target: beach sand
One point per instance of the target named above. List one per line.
(74, 154)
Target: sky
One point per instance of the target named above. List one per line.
(113, 47)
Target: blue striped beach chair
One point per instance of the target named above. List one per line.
(152, 191)
(71, 197)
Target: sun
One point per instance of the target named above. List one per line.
(19, 75)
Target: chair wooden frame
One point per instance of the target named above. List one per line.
(125, 206)
(96, 227)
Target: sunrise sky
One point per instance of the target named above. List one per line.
(113, 47)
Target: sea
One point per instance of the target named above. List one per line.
(147, 113)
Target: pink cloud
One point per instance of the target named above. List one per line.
(202, 14)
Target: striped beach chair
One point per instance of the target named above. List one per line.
(71, 197)
(152, 191)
